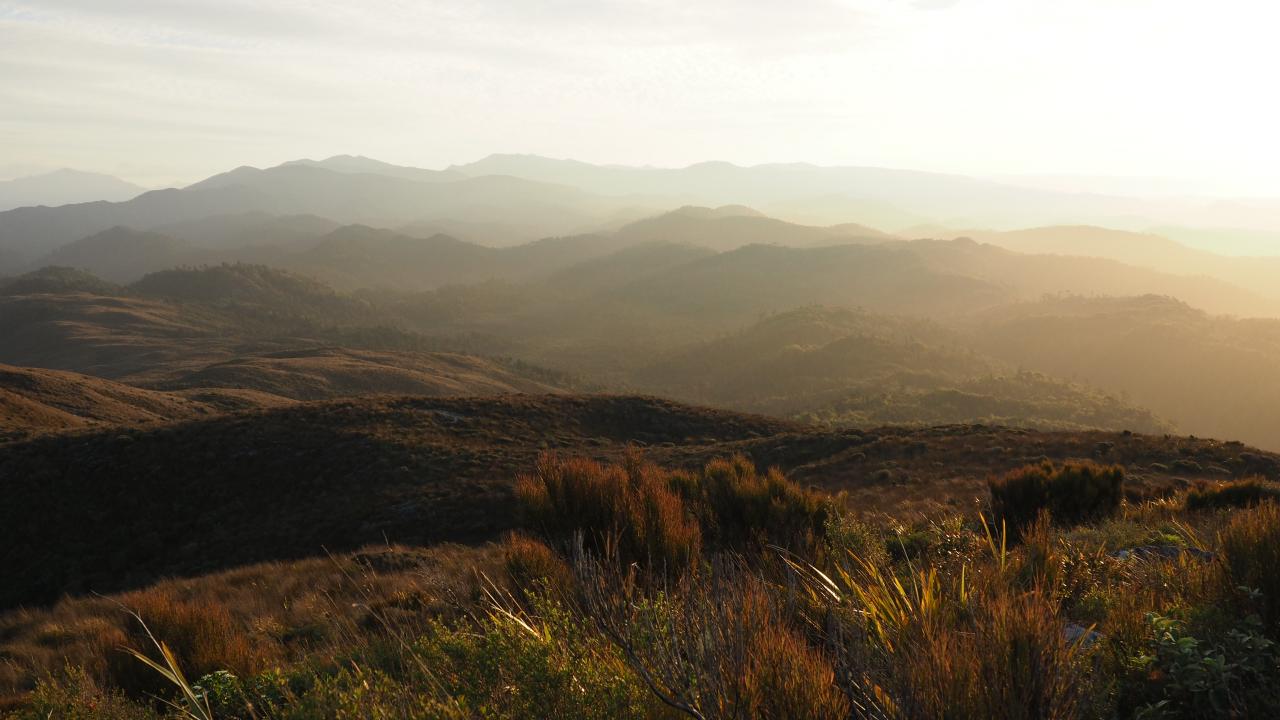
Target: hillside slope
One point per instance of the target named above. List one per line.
(1212, 375)
(35, 400)
(328, 372)
(291, 482)
(203, 495)
(858, 368)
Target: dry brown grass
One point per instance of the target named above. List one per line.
(1251, 555)
(711, 645)
(242, 620)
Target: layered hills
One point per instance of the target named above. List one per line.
(327, 424)
(291, 338)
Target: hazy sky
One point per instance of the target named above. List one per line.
(160, 91)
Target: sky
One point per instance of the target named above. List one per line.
(166, 92)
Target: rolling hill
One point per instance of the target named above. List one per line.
(825, 195)
(333, 475)
(859, 369)
(325, 373)
(250, 229)
(731, 227)
(236, 326)
(1209, 374)
(1255, 274)
(122, 255)
(35, 401)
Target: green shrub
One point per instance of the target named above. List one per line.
(1234, 675)
(738, 506)
(73, 696)
(847, 536)
(721, 645)
(1236, 494)
(542, 665)
(1072, 493)
(355, 693)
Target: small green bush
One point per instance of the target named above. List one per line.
(72, 695)
(544, 665)
(1240, 493)
(1233, 675)
(1072, 493)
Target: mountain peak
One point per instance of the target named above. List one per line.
(65, 186)
(363, 165)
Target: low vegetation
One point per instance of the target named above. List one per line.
(723, 591)
(1070, 493)
(1239, 493)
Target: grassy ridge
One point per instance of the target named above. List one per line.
(689, 595)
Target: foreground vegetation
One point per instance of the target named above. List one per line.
(724, 592)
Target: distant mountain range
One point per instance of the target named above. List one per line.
(896, 199)
(538, 209)
(514, 199)
(746, 263)
(62, 187)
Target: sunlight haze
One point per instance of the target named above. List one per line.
(639, 359)
(164, 93)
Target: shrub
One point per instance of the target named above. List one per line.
(1072, 493)
(72, 695)
(1234, 675)
(717, 646)
(932, 647)
(202, 635)
(1236, 494)
(351, 693)
(739, 506)
(531, 564)
(847, 536)
(662, 516)
(1251, 557)
(632, 504)
(517, 664)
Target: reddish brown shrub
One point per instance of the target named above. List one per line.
(201, 634)
(631, 504)
(530, 563)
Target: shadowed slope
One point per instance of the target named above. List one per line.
(209, 494)
(291, 482)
